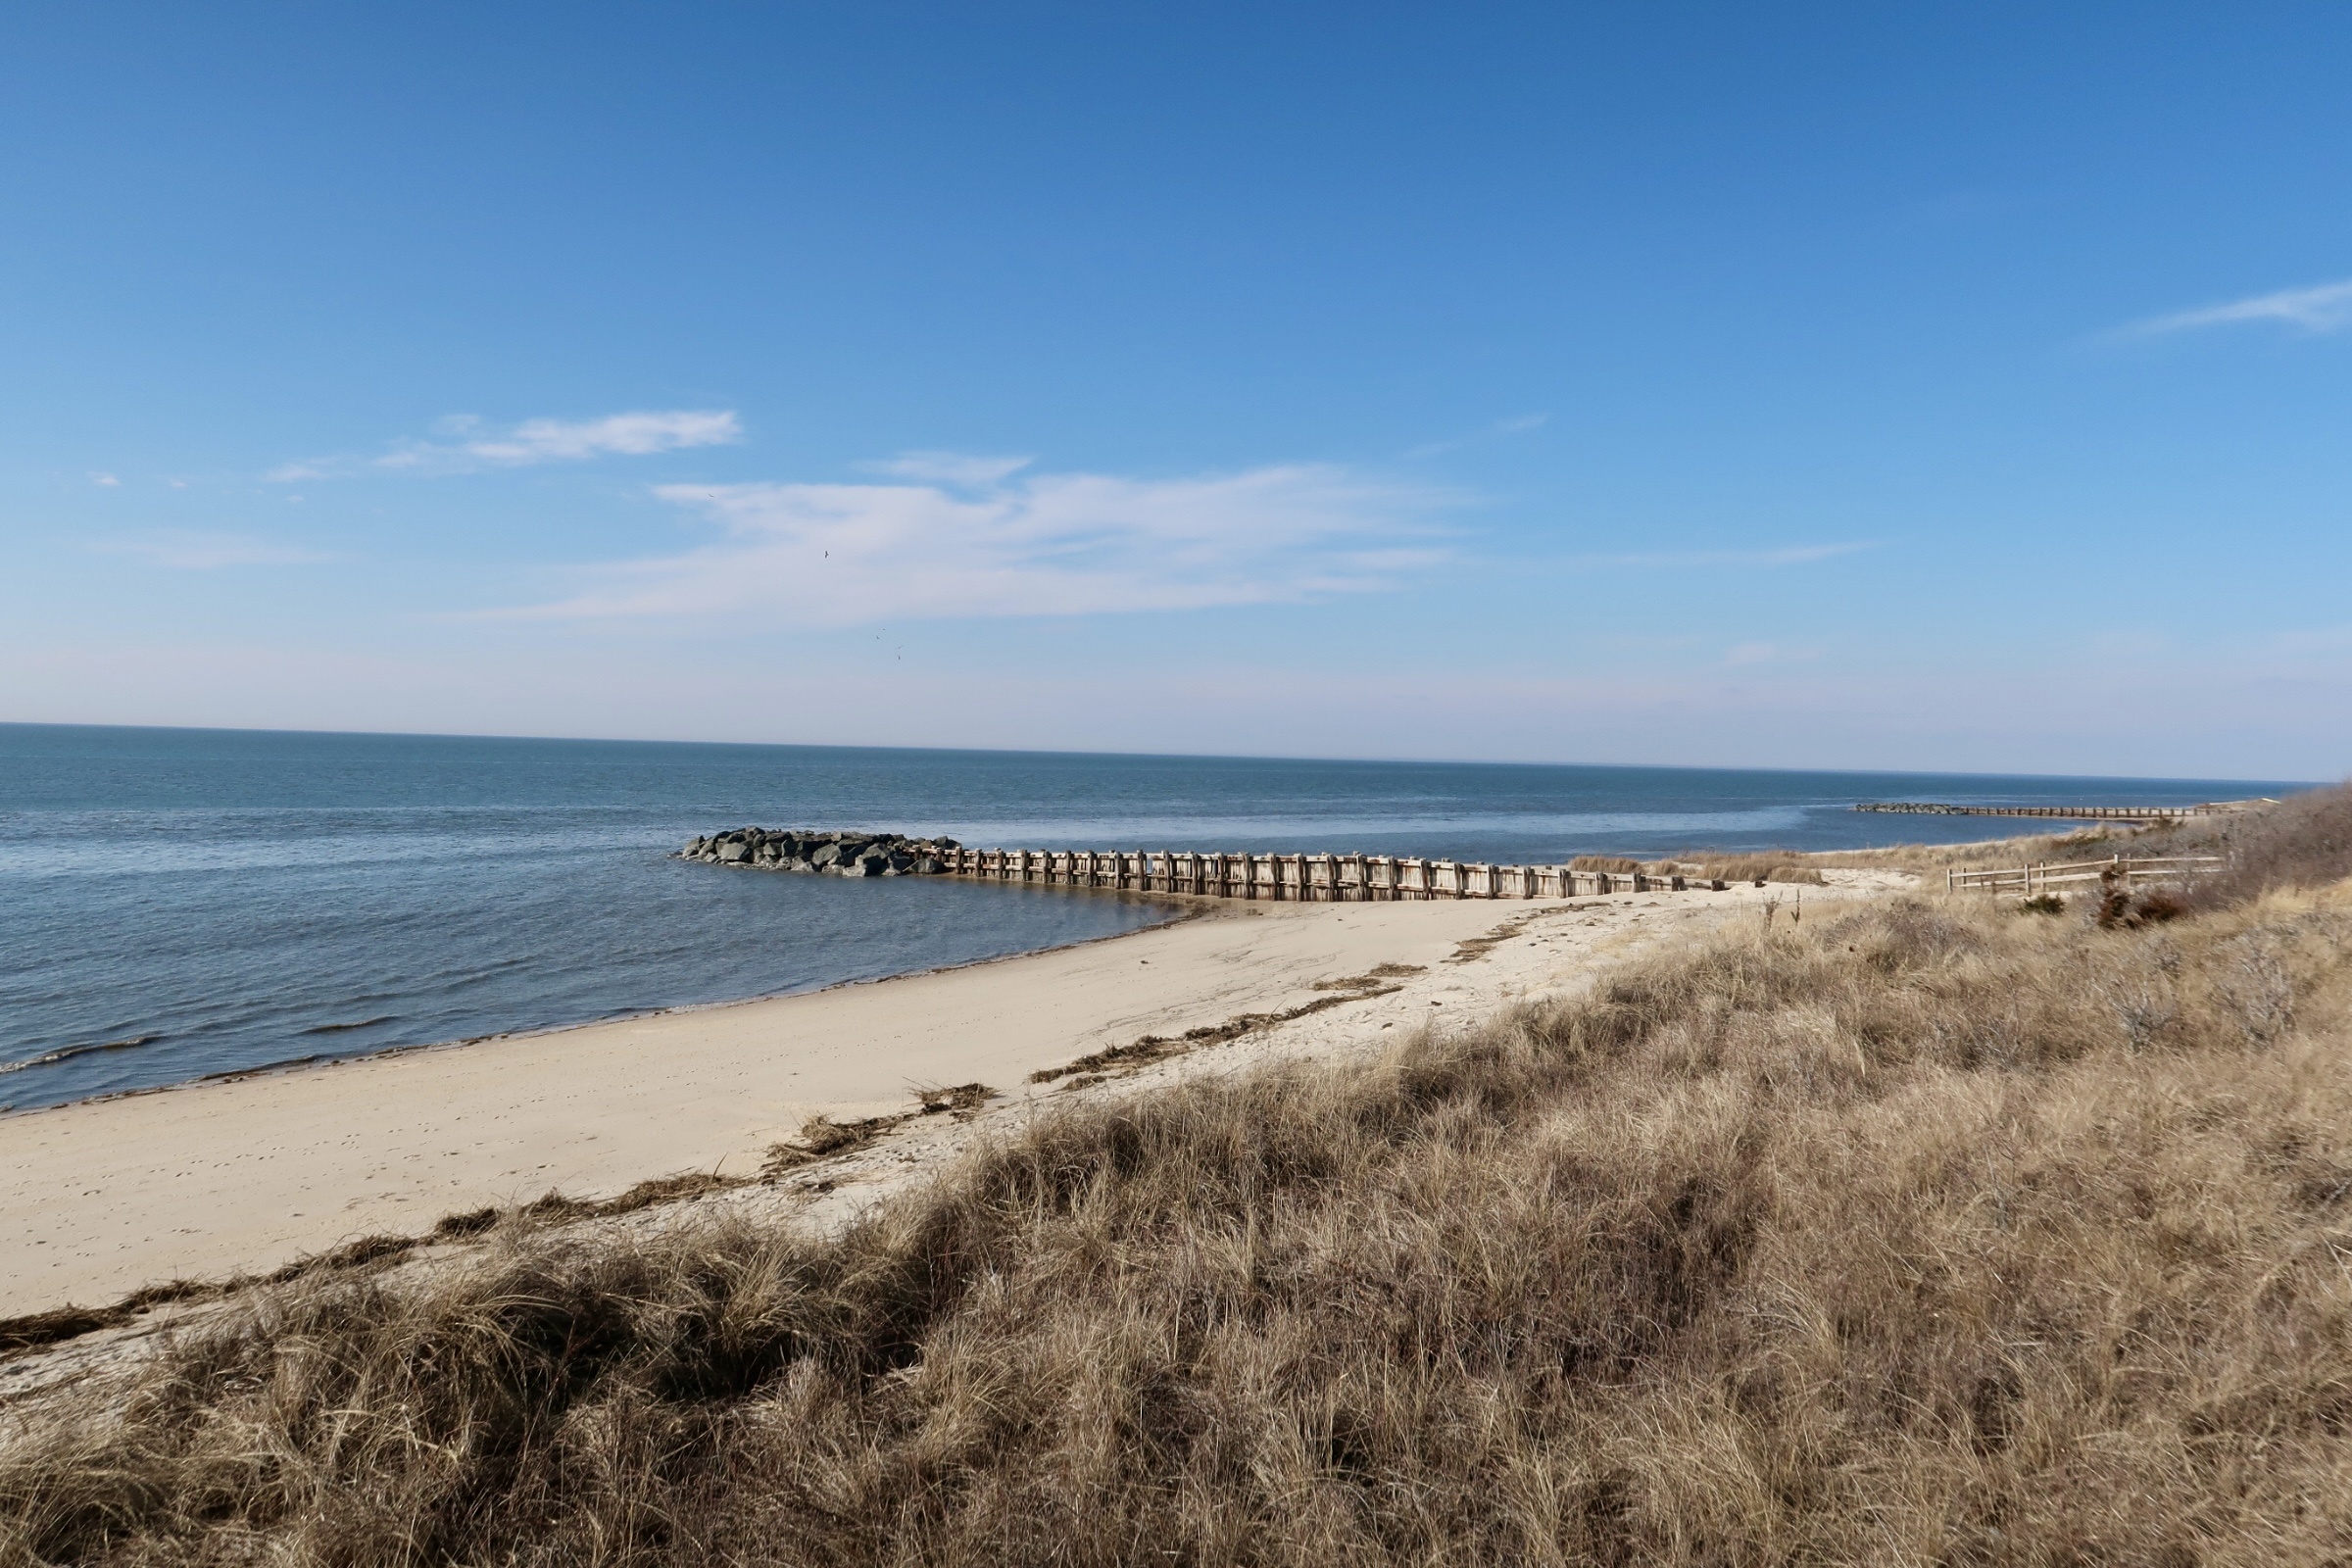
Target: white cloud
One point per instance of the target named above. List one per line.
(950, 467)
(1044, 544)
(189, 550)
(624, 434)
(466, 447)
(1784, 556)
(2326, 308)
(105, 480)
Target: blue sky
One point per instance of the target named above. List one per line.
(1925, 386)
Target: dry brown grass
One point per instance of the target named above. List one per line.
(1927, 1232)
(2076, 844)
(1775, 866)
(2304, 841)
(1771, 865)
(2079, 843)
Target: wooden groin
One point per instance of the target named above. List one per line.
(1299, 878)
(2072, 813)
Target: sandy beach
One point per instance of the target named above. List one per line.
(217, 1179)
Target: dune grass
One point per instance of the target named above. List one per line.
(1932, 1232)
(2304, 841)
(1620, 864)
(1771, 867)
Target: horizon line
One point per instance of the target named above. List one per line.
(1188, 756)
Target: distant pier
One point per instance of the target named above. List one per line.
(2072, 813)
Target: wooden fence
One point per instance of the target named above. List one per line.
(2029, 880)
(1299, 878)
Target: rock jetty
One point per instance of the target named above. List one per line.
(764, 849)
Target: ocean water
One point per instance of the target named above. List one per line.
(178, 903)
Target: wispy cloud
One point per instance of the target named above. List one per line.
(105, 481)
(987, 539)
(2325, 308)
(190, 551)
(1518, 425)
(950, 467)
(466, 445)
(1784, 556)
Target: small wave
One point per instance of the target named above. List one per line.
(50, 1058)
(339, 1028)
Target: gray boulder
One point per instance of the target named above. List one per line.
(841, 853)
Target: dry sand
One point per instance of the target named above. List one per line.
(239, 1176)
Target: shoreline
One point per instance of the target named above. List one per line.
(101, 1198)
(1846, 859)
(1184, 907)
(320, 1062)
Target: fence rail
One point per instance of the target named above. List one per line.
(2028, 880)
(1300, 878)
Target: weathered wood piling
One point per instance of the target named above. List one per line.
(1297, 878)
(1292, 878)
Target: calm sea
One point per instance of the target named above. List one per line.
(177, 902)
